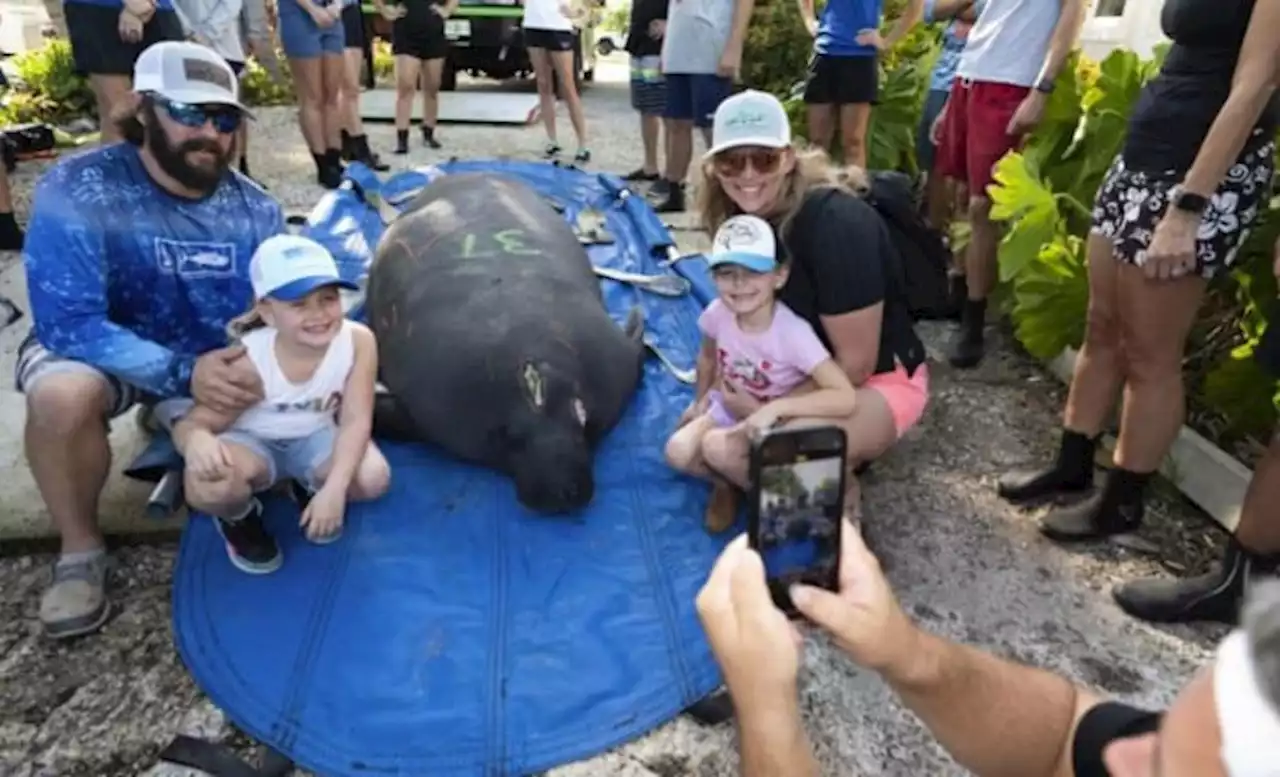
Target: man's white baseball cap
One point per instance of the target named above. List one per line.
(747, 241)
(749, 118)
(289, 267)
(187, 72)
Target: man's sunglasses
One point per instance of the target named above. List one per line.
(225, 118)
(734, 161)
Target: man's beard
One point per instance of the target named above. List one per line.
(173, 160)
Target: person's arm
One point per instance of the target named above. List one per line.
(772, 741)
(942, 10)
(910, 16)
(198, 419)
(847, 246)
(709, 321)
(65, 260)
(1070, 17)
(355, 417)
(807, 14)
(995, 717)
(834, 396)
(257, 29)
(1252, 86)
(742, 10)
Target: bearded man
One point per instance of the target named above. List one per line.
(137, 257)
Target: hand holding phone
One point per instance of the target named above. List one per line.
(795, 506)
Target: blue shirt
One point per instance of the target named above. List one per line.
(954, 39)
(839, 25)
(133, 280)
(161, 5)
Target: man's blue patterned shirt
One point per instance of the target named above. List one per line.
(133, 280)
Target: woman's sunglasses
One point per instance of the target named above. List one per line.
(734, 161)
(225, 118)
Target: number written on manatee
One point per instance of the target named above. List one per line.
(508, 241)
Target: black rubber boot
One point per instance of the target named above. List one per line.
(329, 168)
(712, 710)
(1117, 509)
(1071, 473)
(958, 294)
(360, 152)
(968, 348)
(673, 200)
(348, 148)
(429, 137)
(12, 236)
(1213, 596)
(402, 142)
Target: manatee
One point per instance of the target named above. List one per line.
(494, 342)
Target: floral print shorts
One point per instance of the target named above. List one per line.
(1130, 204)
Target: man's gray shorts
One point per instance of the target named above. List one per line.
(299, 459)
(35, 362)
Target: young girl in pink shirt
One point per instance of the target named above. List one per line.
(752, 344)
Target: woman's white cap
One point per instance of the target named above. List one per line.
(749, 118)
(289, 267)
(1248, 721)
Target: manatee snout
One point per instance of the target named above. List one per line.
(554, 473)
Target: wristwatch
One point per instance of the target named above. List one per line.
(1045, 85)
(1188, 202)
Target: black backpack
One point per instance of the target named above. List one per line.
(922, 253)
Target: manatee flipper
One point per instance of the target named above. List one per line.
(634, 327)
(391, 421)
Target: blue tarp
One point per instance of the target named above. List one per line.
(449, 632)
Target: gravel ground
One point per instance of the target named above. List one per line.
(966, 564)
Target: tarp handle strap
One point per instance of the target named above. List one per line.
(219, 760)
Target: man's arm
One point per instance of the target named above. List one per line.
(772, 741)
(742, 10)
(995, 717)
(807, 14)
(943, 10)
(1252, 87)
(1065, 32)
(66, 266)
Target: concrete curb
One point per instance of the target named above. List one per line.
(1206, 474)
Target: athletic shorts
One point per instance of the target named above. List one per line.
(648, 87)
(35, 362)
(551, 40)
(719, 413)
(1130, 203)
(695, 96)
(420, 38)
(906, 395)
(95, 42)
(925, 150)
(353, 26)
(302, 38)
(300, 458)
(974, 136)
(842, 80)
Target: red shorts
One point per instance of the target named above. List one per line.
(973, 137)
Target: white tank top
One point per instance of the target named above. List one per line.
(290, 411)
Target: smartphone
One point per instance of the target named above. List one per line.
(795, 504)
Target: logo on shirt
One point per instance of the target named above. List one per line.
(329, 404)
(743, 372)
(196, 258)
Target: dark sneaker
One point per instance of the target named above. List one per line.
(551, 151)
(639, 175)
(582, 157)
(76, 603)
(672, 200)
(249, 546)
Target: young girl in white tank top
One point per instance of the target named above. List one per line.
(313, 423)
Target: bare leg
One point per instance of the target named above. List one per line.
(333, 72)
(683, 451)
(981, 273)
(407, 70)
(108, 91)
(373, 475)
(432, 70)
(541, 60)
(562, 62)
(822, 125)
(854, 123)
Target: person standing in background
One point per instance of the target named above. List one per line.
(647, 27)
(701, 60)
(106, 38)
(312, 36)
(844, 74)
(550, 35)
(224, 26)
(420, 46)
(940, 194)
(355, 144)
(1014, 54)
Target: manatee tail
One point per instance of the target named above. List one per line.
(390, 420)
(634, 327)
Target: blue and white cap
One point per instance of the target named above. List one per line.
(747, 241)
(749, 118)
(289, 267)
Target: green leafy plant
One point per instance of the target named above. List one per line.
(49, 89)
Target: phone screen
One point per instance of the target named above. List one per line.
(800, 500)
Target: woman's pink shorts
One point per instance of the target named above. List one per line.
(905, 395)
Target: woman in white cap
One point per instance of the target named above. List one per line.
(314, 421)
(843, 275)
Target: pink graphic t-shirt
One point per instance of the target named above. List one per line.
(764, 364)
